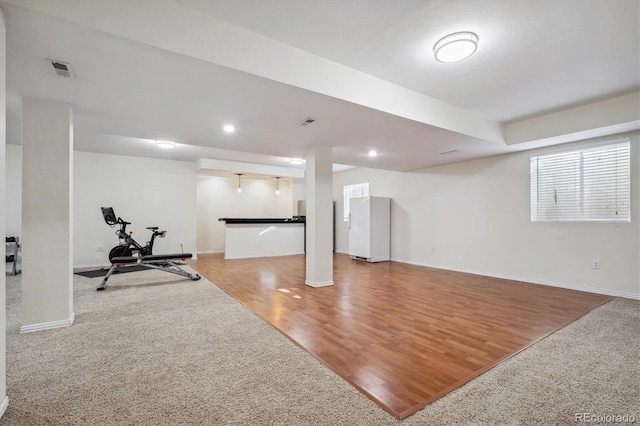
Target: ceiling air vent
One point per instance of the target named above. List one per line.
(61, 68)
(453, 151)
(307, 122)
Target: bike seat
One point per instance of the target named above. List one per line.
(152, 228)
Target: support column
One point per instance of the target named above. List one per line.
(4, 399)
(47, 210)
(319, 181)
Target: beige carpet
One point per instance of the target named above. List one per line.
(154, 349)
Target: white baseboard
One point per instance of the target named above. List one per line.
(210, 251)
(604, 291)
(79, 267)
(47, 325)
(4, 405)
(320, 284)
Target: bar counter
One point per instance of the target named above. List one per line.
(263, 237)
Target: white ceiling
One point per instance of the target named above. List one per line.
(533, 56)
(130, 90)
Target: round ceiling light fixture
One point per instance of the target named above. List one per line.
(165, 144)
(229, 128)
(456, 47)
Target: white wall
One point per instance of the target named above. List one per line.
(13, 207)
(218, 197)
(150, 192)
(478, 210)
(474, 216)
(144, 191)
(299, 192)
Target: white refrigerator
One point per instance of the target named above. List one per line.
(370, 228)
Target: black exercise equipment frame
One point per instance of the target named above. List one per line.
(162, 262)
(128, 246)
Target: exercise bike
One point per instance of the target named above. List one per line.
(128, 246)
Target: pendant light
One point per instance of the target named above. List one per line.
(239, 187)
(277, 185)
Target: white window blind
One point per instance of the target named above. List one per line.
(590, 184)
(352, 191)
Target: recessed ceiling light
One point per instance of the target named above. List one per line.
(165, 144)
(229, 128)
(456, 47)
(296, 161)
(372, 153)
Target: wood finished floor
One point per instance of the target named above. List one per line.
(404, 335)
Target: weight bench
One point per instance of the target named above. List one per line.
(162, 262)
(13, 258)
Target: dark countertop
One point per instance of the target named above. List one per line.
(231, 220)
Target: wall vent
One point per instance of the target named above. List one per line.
(307, 122)
(453, 151)
(61, 68)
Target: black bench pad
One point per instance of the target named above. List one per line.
(151, 258)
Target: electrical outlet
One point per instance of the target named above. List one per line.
(595, 264)
(100, 247)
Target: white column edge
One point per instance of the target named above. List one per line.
(320, 284)
(47, 325)
(4, 405)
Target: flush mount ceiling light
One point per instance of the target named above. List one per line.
(165, 144)
(372, 153)
(456, 47)
(229, 128)
(296, 161)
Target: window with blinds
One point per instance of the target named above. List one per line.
(590, 184)
(352, 191)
